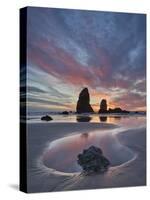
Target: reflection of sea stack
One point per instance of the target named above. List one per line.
(83, 118)
(103, 118)
(103, 106)
(83, 104)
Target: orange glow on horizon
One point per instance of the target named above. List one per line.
(94, 102)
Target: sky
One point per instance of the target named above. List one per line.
(68, 50)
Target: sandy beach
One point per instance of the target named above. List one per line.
(82, 99)
(130, 143)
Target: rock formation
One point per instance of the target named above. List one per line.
(103, 106)
(83, 104)
(65, 113)
(46, 118)
(92, 160)
(117, 110)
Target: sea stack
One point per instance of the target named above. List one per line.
(83, 104)
(103, 106)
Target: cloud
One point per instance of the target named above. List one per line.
(100, 50)
(131, 100)
(35, 89)
(43, 101)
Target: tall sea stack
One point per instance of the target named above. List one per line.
(103, 106)
(83, 104)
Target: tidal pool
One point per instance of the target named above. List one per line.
(61, 154)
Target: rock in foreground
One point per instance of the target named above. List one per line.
(92, 160)
(46, 118)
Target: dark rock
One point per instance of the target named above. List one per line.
(103, 106)
(65, 113)
(93, 160)
(117, 110)
(136, 112)
(83, 104)
(46, 118)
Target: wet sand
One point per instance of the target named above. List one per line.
(43, 178)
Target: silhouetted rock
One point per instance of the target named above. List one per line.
(83, 104)
(46, 118)
(117, 110)
(103, 106)
(65, 113)
(92, 160)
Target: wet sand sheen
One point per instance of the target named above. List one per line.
(61, 154)
(42, 137)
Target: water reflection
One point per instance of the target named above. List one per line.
(83, 118)
(62, 153)
(103, 118)
(127, 120)
(84, 135)
(99, 118)
(117, 118)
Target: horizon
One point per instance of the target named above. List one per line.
(72, 49)
(74, 112)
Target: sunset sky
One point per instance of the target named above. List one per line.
(71, 49)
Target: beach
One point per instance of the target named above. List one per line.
(129, 168)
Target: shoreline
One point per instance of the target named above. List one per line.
(93, 118)
(41, 134)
